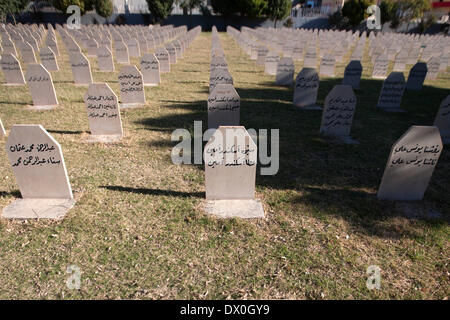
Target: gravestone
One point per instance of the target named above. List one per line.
(12, 70)
(262, 52)
(285, 72)
(433, 68)
(150, 70)
(417, 76)
(48, 59)
(121, 53)
(103, 114)
(400, 61)
(81, 69)
(338, 112)
(310, 60)
(8, 46)
(223, 106)
(352, 74)
(163, 57)
(218, 62)
(27, 52)
(271, 61)
(131, 85)
(380, 67)
(105, 59)
(442, 120)
(411, 164)
(133, 48)
(172, 53)
(391, 93)
(219, 76)
(327, 65)
(92, 47)
(38, 165)
(40, 84)
(2, 129)
(52, 44)
(230, 172)
(306, 89)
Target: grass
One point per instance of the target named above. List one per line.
(138, 230)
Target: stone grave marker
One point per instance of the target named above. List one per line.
(306, 89)
(12, 70)
(417, 76)
(380, 67)
(391, 93)
(105, 59)
(133, 48)
(219, 76)
(338, 112)
(121, 53)
(400, 61)
(8, 46)
(131, 85)
(223, 106)
(172, 53)
(230, 174)
(262, 52)
(40, 84)
(271, 62)
(150, 70)
(81, 69)
(433, 68)
(163, 57)
(27, 52)
(38, 165)
(48, 59)
(327, 65)
(310, 60)
(442, 120)
(52, 44)
(92, 47)
(352, 74)
(285, 72)
(411, 164)
(103, 114)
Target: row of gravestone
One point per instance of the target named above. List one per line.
(37, 160)
(413, 157)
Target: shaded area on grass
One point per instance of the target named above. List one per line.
(155, 192)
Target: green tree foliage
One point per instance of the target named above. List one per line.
(248, 8)
(11, 7)
(278, 9)
(160, 9)
(189, 5)
(103, 7)
(355, 11)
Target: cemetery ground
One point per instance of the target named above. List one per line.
(138, 229)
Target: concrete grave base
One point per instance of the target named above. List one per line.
(14, 84)
(104, 138)
(396, 110)
(38, 208)
(151, 84)
(130, 105)
(241, 208)
(38, 108)
(313, 107)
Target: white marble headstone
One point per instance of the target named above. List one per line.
(163, 57)
(12, 70)
(81, 69)
(352, 74)
(411, 164)
(442, 120)
(223, 106)
(48, 59)
(306, 89)
(417, 76)
(285, 72)
(40, 84)
(105, 59)
(391, 93)
(150, 70)
(131, 86)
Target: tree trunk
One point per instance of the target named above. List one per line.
(275, 23)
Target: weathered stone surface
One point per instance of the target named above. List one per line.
(12, 70)
(306, 89)
(338, 111)
(223, 106)
(150, 70)
(81, 69)
(391, 93)
(163, 57)
(27, 52)
(271, 62)
(103, 111)
(219, 76)
(380, 67)
(131, 86)
(121, 52)
(230, 164)
(352, 74)
(327, 65)
(411, 164)
(40, 84)
(48, 59)
(285, 72)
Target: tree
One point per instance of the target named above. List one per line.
(278, 10)
(414, 9)
(103, 7)
(248, 8)
(189, 5)
(390, 12)
(225, 7)
(355, 11)
(11, 7)
(160, 9)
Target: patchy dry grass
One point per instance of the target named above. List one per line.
(138, 231)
